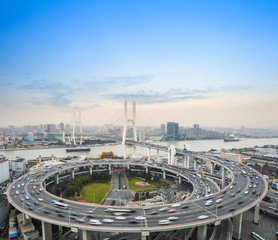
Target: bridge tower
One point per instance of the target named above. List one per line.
(76, 121)
(132, 121)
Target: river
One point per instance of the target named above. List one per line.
(196, 145)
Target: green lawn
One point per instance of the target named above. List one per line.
(97, 189)
(133, 180)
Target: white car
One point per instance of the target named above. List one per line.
(164, 222)
(202, 217)
(40, 199)
(140, 218)
(107, 220)
(163, 209)
(173, 218)
(246, 192)
(95, 222)
(27, 197)
(219, 200)
(120, 218)
(209, 203)
(176, 205)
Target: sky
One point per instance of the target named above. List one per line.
(207, 62)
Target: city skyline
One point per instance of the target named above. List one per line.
(210, 63)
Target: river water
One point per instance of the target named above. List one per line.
(197, 145)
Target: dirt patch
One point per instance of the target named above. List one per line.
(141, 184)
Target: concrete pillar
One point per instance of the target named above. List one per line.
(72, 173)
(109, 167)
(26, 219)
(91, 170)
(134, 149)
(169, 155)
(149, 154)
(86, 235)
(60, 230)
(202, 164)
(173, 153)
(237, 221)
(185, 162)
(57, 179)
(211, 167)
(157, 152)
(223, 177)
(46, 231)
(257, 213)
(202, 232)
(164, 174)
(180, 179)
(195, 164)
(144, 235)
(147, 169)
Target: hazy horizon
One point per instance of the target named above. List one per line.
(205, 62)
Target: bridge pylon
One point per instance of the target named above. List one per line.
(132, 121)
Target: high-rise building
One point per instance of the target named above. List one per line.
(196, 126)
(162, 129)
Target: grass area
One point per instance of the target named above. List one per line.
(94, 189)
(133, 180)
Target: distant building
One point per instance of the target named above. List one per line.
(196, 126)
(17, 165)
(4, 169)
(231, 156)
(172, 130)
(162, 129)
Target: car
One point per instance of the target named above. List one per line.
(32, 192)
(120, 218)
(31, 208)
(171, 210)
(80, 220)
(173, 218)
(202, 217)
(36, 203)
(40, 199)
(253, 191)
(133, 221)
(175, 205)
(140, 218)
(221, 196)
(27, 197)
(153, 213)
(208, 202)
(246, 192)
(223, 192)
(13, 186)
(89, 211)
(16, 192)
(46, 211)
(94, 222)
(240, 202)
(184, 206)
(163, 209)
(22, 199)
(40, 189)
(233, 195)
(250, 186)
(258, 194)
(22, 191)
(107, 220)
(232, 186)
(232, 210)
(219, 200)
(164, 222)
(238, 191)
(60, 214)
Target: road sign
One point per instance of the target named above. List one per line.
(217, 223)
(73, 229)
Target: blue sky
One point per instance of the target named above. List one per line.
(207, 62)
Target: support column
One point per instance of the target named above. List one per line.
(179, 179)
(157, 152)
(202, 232)
(223, 177)
(26, 218)
(164, 174)
(86, 235)
(72, 173)
(91, 170)
(57, 179)
(169, 155)
(149, 154)
(134, 149)
(109, 167)
(195, 164)
(185, 162)
(237, 221)
(211, 167)
(173, 153)
(147, 169)
(257, 213)
(144, 235)
(60, 230)
(202, 164)
(46, 231)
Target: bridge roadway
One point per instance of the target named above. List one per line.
(235, 201)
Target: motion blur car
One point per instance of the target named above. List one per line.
(202, 217)
(164, 222)
(209, 202)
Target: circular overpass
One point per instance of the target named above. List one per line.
(238, 196)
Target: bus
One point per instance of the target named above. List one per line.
(256, 236)
(60, 205)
